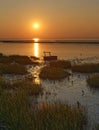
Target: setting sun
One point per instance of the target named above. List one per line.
(36, 25)
(36, 39)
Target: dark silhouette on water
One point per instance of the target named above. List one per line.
(49, 57)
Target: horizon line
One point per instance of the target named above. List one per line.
(50, 41)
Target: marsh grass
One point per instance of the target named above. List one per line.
(61, 64)
(4, 84)
(23, 60)
(5, 59)
(93, 81)
(53, 73)
(86, 68)
(59, 116)
(16, 113)
(28, 87)
(12, 69)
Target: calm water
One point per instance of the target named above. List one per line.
(63, 51)
(64, 90)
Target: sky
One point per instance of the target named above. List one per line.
(67, 19)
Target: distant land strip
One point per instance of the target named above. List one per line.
(51, 41)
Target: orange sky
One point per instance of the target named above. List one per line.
(67, 19)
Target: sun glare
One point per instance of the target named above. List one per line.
(35, 25)
(36, 39)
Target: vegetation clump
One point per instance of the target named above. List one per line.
(61, 64)
(12, 69)
(5, 59)
(53, 73)
(23, 60)
(86, 68)
(93, 81)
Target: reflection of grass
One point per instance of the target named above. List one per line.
(93, 81)
(16, 113)
(12, 69)
(86, 68)
(61, 64)
(53, 73)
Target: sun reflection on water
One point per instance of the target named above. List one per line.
(36, 47)
(37, 80)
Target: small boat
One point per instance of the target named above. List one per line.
(49, 57)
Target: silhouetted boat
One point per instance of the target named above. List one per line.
(49, 57)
